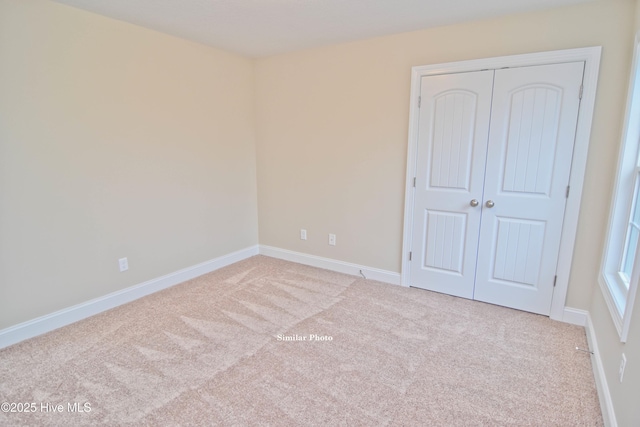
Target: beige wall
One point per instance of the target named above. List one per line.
(624, 395)
(332, 131)
(114, 141)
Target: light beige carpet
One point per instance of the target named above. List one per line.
(207, 353)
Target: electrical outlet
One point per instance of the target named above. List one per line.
(623, 364)
(303, 234)
(124, 264)
(332, 239)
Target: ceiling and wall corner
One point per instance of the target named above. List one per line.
(260, 28)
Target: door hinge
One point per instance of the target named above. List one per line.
(419, 101)
(581, 90)
(414, 181)
(555, 279)
(568, 188)
(410, 256)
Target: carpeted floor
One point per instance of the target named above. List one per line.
(268, 342)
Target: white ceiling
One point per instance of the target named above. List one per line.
(261, 28)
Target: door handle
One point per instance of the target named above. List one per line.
(474, 203)
(490, 204)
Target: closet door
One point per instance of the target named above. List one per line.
(452, 145)
(533, 124)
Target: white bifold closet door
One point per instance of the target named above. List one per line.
(493, 163)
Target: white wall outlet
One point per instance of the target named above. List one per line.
(124, 264)
(332, 239)
(623, 364)
(303, 234)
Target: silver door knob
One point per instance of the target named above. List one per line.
(474, 203)
(490, 204)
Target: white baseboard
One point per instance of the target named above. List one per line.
(58, 319)
(332, 264)
(606, 402)
(574, 316)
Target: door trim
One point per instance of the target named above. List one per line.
(591, 57)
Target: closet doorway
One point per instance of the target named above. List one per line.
(491, 177)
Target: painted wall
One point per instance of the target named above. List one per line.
(332, 128)
(624, 394)
(115, 141)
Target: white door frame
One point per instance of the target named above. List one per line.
(591, 57)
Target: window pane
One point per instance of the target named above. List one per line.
(636, 209)
(630, 253)
(636, 213)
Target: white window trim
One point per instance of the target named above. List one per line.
(618, 298)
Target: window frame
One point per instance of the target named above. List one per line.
(631, 224)
(620, 298)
